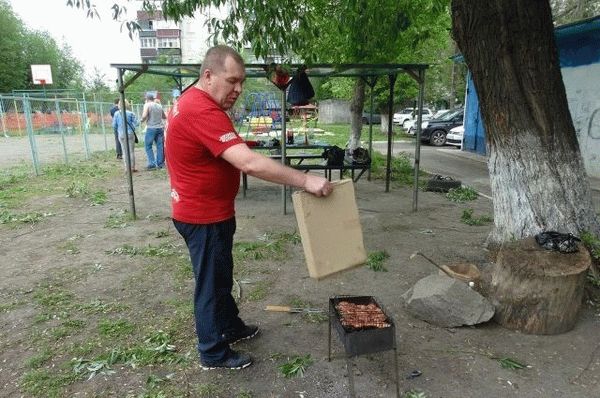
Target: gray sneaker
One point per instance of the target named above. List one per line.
(235, 360)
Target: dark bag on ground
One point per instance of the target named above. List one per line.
(552, 240)
(439, 183)
(300, 91)
(334, 156)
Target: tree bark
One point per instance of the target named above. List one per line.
(356, 109)
(537, 175)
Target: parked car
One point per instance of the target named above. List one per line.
(409, 114)
(434, 131)
(455, 136)
(367, 118)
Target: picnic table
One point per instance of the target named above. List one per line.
(296, 159)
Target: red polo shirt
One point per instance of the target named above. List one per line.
(203, 185)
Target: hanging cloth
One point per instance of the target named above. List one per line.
(301, 90)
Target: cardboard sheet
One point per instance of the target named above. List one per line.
(330, 230)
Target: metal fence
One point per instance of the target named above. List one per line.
(45, 131)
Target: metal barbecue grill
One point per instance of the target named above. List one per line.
(360, 336)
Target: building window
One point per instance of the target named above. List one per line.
(148, 42)
(168, 42)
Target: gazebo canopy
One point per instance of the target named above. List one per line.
(369, 72)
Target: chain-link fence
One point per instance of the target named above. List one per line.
(43, 131)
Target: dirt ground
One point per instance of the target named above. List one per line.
(62, 278)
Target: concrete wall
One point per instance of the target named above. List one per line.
(334, 111)
(583, 93)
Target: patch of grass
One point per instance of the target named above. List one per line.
(78, 189)
(115, 328)
(208, 390)
(414, 394)
(39, 359)
(71, 248)
(509, 363)
(462, 194)
(100, 307)
(7, 307)
(67, 328)
(243, 393)
(260, 291)
(155, 349)
(296, 366)
(124, 250)
(164, 249)
(162, 234)
(376, 259)
(98, 198)
(118, 219)
(402, 170)
(7, 217)
(467, 218)
(269, 247)
(53, 297)
(47, 383)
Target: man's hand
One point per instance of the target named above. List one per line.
(318, 186)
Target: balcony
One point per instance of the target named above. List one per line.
(148, 52)
(167, 33)
(147, 33)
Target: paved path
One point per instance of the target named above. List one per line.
(467, 167)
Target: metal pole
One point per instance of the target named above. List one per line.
(418, 138)
(17, 116)
(371, 131)
(86, 128)
(282, 139)
(3, 121)
(32, 144)
(388, 170)
(123, 111)
(61, 129)
(101, 116)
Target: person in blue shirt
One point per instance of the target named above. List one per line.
(119, 125)
(117, 143)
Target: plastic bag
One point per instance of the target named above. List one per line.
(301, 90)
(552, 240)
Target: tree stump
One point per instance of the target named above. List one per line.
(538, 291)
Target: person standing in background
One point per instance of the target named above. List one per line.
(119, 125)
(118, 148)
(154, 116)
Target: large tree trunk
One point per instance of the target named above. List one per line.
(356, 109)
(536, 170)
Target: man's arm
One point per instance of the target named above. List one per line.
(144, 113)
(262, 167)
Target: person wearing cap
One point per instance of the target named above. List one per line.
(119, 125)
(204, 157)
(154, 116)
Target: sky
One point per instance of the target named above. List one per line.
(93, 42)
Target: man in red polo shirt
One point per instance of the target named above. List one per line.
(204, 158)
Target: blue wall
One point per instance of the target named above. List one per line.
(578, 45)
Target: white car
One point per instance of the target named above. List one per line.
(409, 114)
(455, 136)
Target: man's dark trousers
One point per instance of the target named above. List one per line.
(210, 247)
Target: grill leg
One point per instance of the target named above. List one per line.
(396, 372)
(350, 376)
(329, 341)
